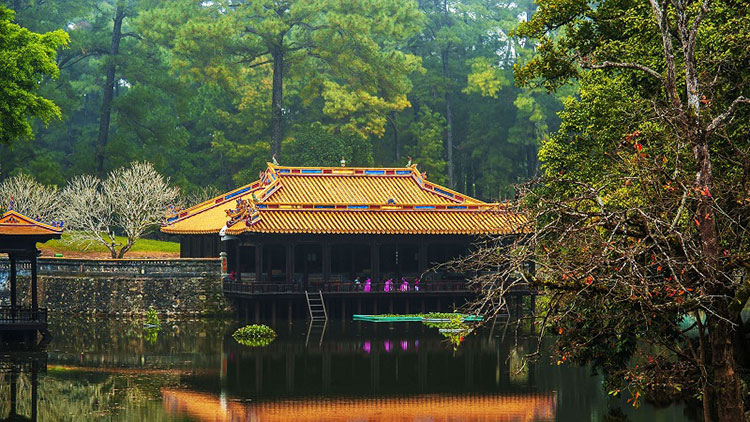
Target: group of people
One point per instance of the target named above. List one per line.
(388, 286)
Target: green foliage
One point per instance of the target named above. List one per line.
(485, 78)
(26, 58)
(315, 146)
(254, 335)
(194, 89)
(428, 151)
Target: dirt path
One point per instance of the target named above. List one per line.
(48, 252)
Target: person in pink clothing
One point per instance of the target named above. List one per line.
(388, 285)
(404, 285)
(368, 285)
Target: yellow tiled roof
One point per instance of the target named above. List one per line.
(345, 200)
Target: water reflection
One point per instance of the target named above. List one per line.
(521, 408)
(19, 383)
(194, 371)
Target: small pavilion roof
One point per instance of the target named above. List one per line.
(344, 200)
(13, 223)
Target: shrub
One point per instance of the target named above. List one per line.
(254, 335)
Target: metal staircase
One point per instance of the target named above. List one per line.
(316, 306)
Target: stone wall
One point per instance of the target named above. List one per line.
(125, 286)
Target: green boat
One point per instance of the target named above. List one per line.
(414, 318)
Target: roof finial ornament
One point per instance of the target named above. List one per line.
(273, 158)
(343, 161)
(409, 163)
(11, 203)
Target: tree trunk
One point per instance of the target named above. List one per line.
(725, 382)
(448, 117)
(397, 144)
(108, 91)
(725, 386)
(277, 100)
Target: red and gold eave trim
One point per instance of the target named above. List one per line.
(16, 224)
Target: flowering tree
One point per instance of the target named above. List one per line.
(641, 222)
(129, 201)
(30, 197)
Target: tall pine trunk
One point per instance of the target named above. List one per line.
(277, 99)
(448, 117)
(108, 91)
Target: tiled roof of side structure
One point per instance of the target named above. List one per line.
(344, 201)
(13, 223)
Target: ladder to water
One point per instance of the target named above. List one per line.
(316, 306)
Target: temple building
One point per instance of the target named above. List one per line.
(329, 228)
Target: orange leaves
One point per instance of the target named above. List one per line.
(703, 191)
(633, 135)
(589, 280)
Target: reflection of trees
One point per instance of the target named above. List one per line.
(124, 342)
(70, 397)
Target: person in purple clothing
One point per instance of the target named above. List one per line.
(368, 285)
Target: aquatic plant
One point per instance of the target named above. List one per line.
(256, 335)
(152, 317)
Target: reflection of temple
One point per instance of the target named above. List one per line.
(19, 384)
(388, 359)
(505, 408)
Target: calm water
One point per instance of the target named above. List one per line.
(110, 370)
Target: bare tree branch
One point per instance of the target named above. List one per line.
(718, 120)
(608, 64)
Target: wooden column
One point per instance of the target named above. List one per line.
(269, 259)
(290, 263)
(326, 261)
(258, 261)
(34, 294)
(375, 261)
(237, 259)
(12, 259)
(422, 257)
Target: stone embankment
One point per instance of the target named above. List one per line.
(124, 286)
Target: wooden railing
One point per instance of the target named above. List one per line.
(455, 286)
(22, 315)
(121, 267)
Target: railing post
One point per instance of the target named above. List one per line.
(12, 259)
(34, 294)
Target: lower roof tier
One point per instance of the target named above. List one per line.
(474, 222)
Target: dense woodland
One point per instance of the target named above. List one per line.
(208, 91)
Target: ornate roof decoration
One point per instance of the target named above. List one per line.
(345, 200)
(13, 223)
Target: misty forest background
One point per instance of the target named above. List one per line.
(208, 91)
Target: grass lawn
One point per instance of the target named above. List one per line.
(66, 247)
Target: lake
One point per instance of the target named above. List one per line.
(193, 370)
